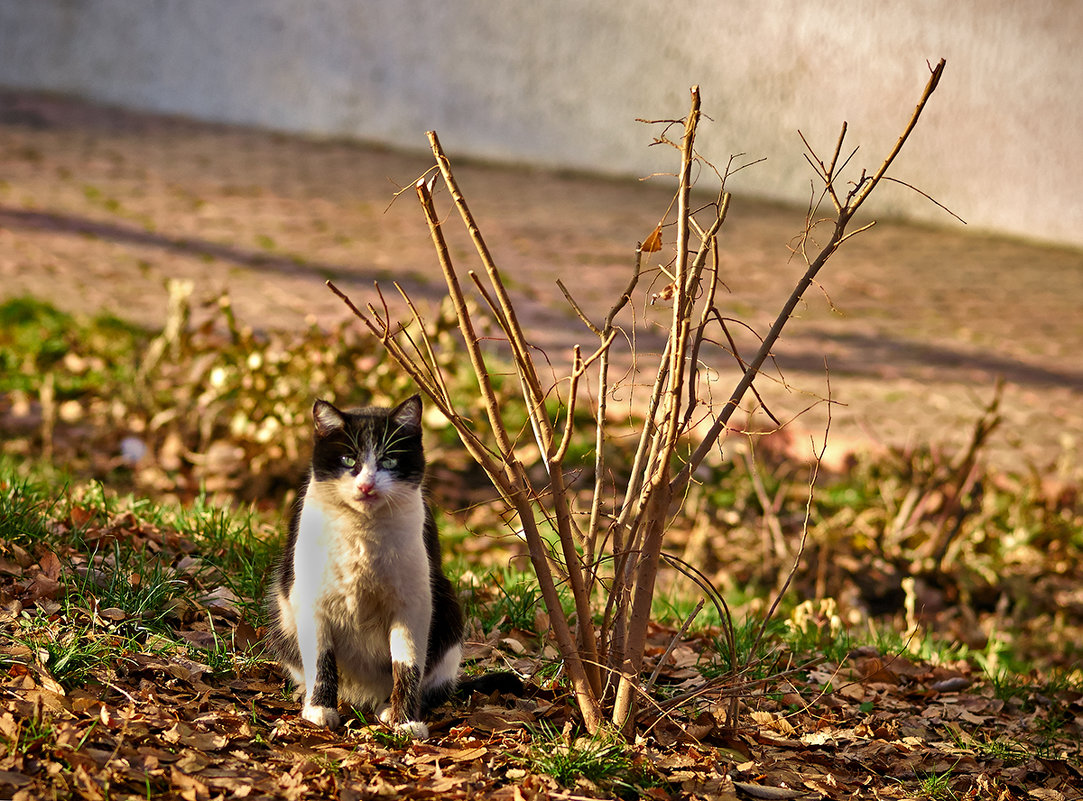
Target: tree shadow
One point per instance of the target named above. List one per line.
(872, 355)
(204, 249)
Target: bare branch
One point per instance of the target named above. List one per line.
(930, 87)
(522, 358)
(466, 325)
(860, 193)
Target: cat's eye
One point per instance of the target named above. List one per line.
(388, 462)
(348, 461)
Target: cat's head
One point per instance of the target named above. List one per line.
(368, 458)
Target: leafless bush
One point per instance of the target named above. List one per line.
(608, 551)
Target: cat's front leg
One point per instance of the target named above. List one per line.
(321, 677)
(407, 669)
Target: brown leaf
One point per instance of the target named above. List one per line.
(763, 791)
(191, 789)
(12, 779)
(23, 558)
(665, 296)
(183, 734)
(1044, 794)
(244, 636)
(80, 516)
(50, 565)
(653, 243)
(444, 784)
(466, 754)
(87, 785)
(508, 793)
(223, 600)
(874, 670)
(43, 587)
(497, 719)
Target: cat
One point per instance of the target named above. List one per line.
(360, 607)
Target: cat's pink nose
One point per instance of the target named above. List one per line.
(366, 490)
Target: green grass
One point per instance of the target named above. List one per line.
(37, 340)
(239, 546)
(71, 653)
(25, 508)
(131, 579)
(501, 597)
(748, 653)
(936, 786)
(604, 760)
(676, 605)
(107, 563)
(514, 599)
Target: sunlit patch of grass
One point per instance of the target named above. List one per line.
(501, 598)
(675, 607)
(241, 544)
(26, 506)
(37, 340)
(394, 739)
(1008, 751)
(70, 653)
(602, 760)
(29, 735)
(516, 599)
(235, 548)
(132, 580)
(920, 645)
(937, 786)
(752, 649)
(224, 655)
(122, 589)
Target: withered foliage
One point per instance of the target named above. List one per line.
(207, 403)
(145, 717)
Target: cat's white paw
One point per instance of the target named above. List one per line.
(414, 728)
(321, 715)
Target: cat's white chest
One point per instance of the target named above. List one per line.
(351, 565)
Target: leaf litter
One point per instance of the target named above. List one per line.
(130, 662)
(149, 717)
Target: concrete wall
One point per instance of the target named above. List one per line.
(559, 83)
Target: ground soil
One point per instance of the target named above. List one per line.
(100, 207)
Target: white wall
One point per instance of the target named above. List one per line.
(559, 83)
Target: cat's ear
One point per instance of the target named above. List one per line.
(408, 413)
(327, 418)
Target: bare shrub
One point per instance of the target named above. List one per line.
(606, 545)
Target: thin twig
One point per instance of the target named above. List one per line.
(608, 330)
(578, 311)
(805, 524)
(927, 196)
(672, 644)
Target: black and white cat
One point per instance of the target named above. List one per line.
(360, 607)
